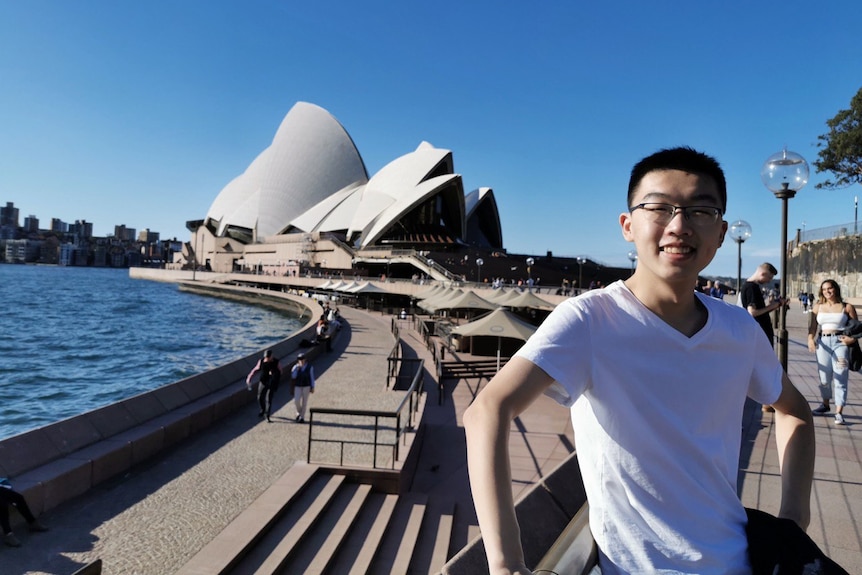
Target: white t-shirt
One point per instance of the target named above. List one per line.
(657, 419)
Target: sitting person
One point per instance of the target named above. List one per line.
(9, 496)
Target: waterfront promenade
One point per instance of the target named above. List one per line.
(154, 519)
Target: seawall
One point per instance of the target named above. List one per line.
(63, 460)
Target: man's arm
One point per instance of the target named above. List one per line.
(252, 372)
(794, 434)
(487, 423)
(766, 309)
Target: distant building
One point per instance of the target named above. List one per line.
(59, 226)
(67, 254)
(9, 222)
(148, 237)
(125, 234)
(31, 224)
(9, 215)
(81, 229)
(22, 251)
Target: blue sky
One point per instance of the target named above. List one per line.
(139, 113)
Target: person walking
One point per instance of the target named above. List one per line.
(11, 498)
(270, 376)
(825, 338)
(302, 382)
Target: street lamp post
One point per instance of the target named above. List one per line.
(197, 247)
(633, 257)
(479, 262)
(740, 230)
(784, 174)
(530, 262)
(581, 262)
(194, 226)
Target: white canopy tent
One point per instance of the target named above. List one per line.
(501, 323)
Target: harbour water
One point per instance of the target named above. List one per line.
(74, 339)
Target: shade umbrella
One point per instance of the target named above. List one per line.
(464, 300)
(347, 287)
(527, 299)
(430, 304)
(501, 323)
(430, 292)
(497, 295)
(367, 287)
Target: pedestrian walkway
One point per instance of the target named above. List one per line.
(155, 518)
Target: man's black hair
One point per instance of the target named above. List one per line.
(684, 159)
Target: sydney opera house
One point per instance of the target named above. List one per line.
(307, 201)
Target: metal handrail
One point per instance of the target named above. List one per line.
(411, 400)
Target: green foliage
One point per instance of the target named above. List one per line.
(841, 149)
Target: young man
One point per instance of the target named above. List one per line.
(638, 362)
(270, 376)
(751, 298)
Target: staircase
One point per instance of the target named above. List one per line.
(312, 521)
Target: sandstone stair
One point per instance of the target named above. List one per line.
(315, 522)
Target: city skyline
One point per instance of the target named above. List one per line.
(22, 223)
(549, 105)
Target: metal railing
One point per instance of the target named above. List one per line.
(404, 420)
(830, 232)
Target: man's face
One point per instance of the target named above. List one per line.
(679, 248)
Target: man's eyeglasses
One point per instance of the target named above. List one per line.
(662, 214)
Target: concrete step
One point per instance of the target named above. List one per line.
(286, 538)
(337, 534)
(443, 539)
(229, 547)
(396, 549)
(435, 538)
(360, 549)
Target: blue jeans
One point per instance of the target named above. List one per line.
(832, 365)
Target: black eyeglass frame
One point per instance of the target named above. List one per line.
(717, 213)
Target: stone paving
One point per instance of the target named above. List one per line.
(151, 521)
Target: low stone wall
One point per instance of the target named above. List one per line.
(57, 462)
(543, 514)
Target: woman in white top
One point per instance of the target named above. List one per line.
(829, 316)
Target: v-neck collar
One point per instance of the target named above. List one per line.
(654, 318)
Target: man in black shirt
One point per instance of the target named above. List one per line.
(751, 298)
